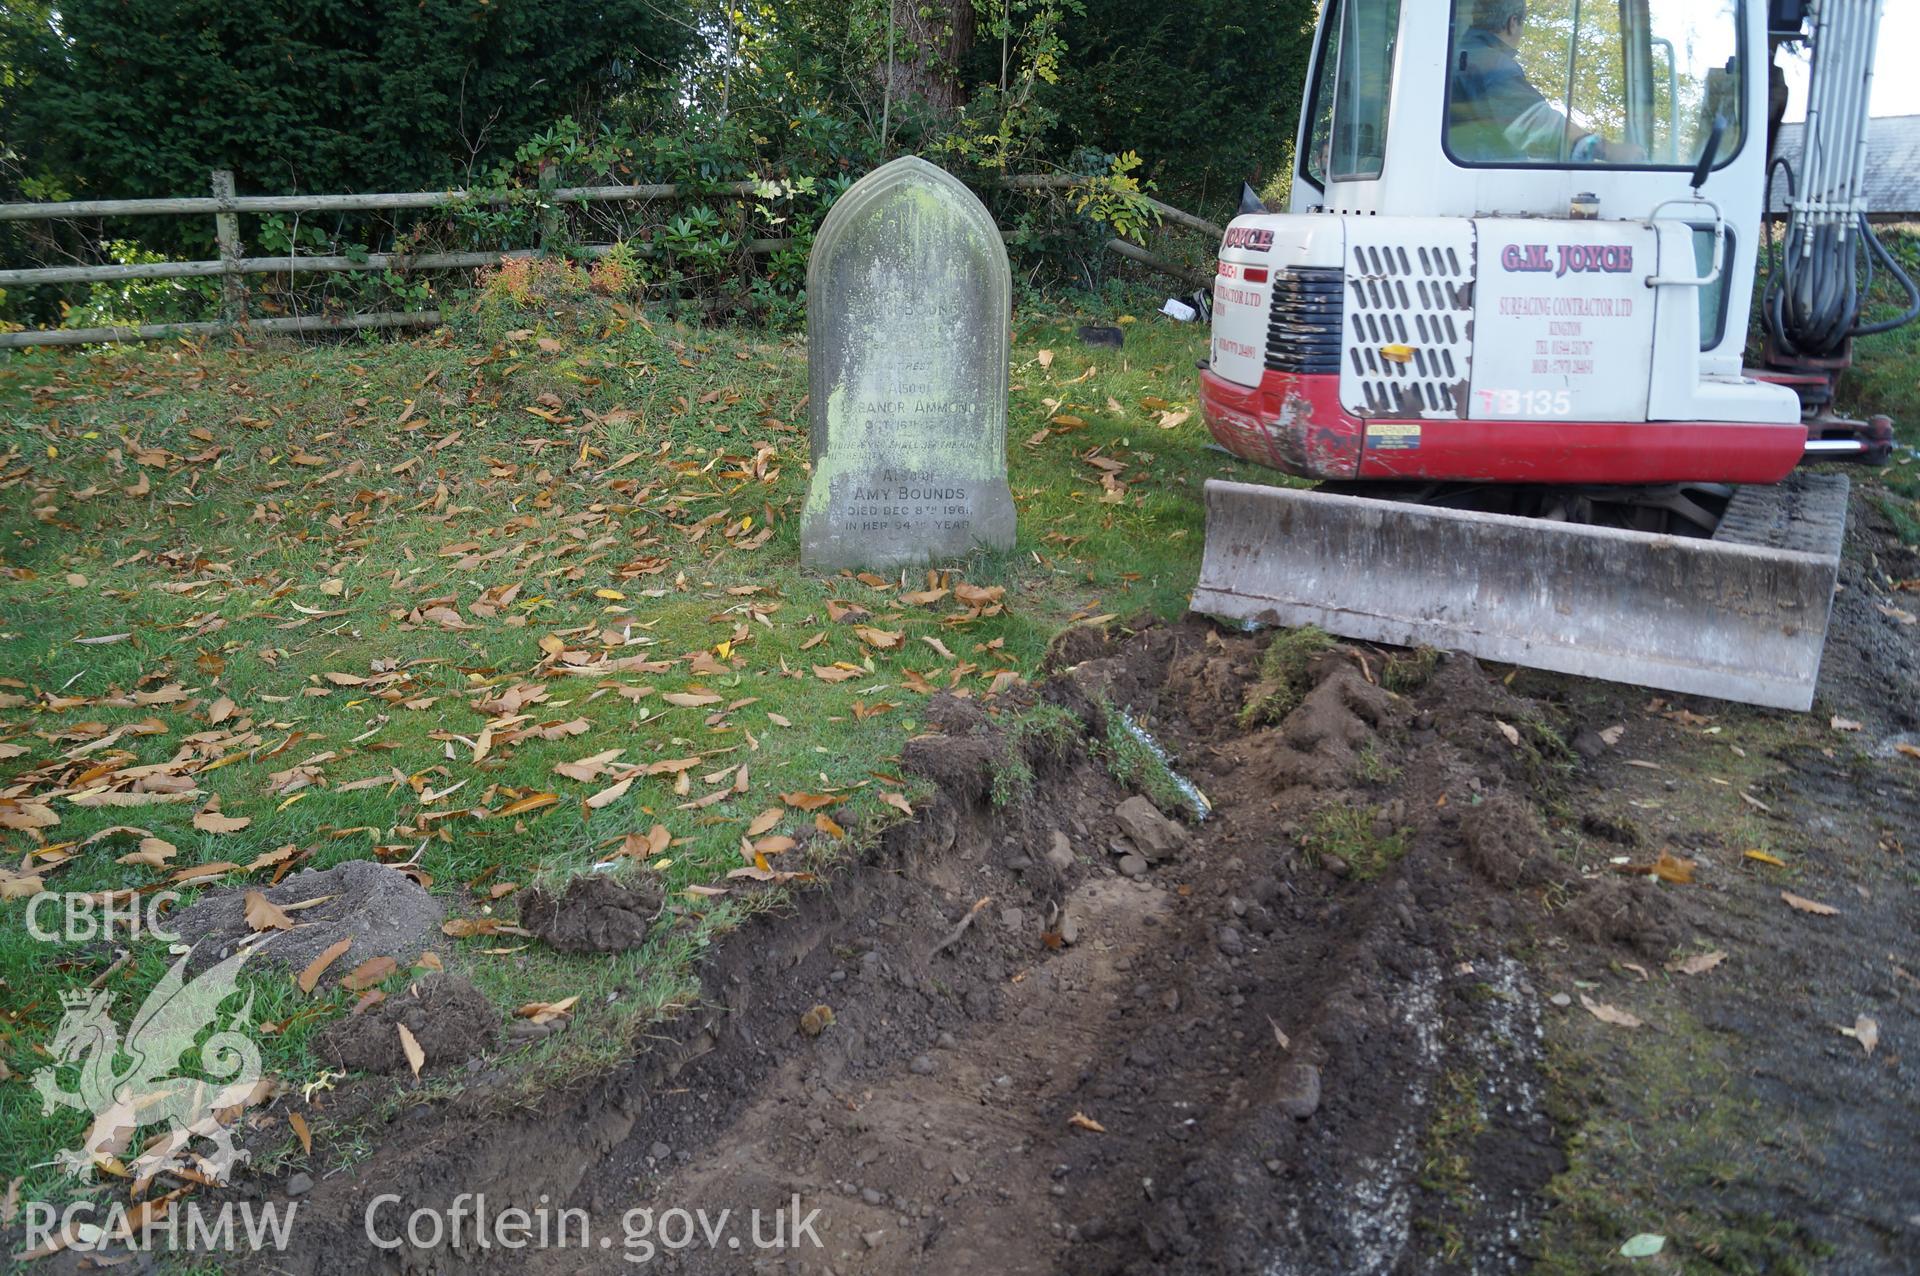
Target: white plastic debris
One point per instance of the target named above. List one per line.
(1179, 310)
(1196, 800)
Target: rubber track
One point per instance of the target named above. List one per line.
(1806, 513)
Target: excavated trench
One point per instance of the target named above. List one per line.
(1294, 1037)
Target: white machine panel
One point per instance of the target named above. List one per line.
(1563, 320)
(1240, 300)
(1409, 317)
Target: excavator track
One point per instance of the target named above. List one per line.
(1807, 513)
(1741, 615)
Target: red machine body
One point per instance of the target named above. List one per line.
(1295, 422)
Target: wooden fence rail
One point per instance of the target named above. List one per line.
(232, 267)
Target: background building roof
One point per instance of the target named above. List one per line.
(1893, 166)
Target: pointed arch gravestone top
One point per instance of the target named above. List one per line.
(908, 301)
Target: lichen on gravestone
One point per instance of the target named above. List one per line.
(908, 296)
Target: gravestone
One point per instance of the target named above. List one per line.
(908, 296)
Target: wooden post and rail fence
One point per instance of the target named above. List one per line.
(233, 265)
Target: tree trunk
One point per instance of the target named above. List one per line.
(933, 36)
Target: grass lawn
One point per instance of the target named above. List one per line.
(365, 598)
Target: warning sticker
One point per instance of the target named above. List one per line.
(1389, 435)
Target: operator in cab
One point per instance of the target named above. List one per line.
(1495, 114)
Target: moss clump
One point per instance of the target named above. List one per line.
(1283, 675)
(1372, 767)
(1349, 833)
(1446, 1160)
(1407, 671)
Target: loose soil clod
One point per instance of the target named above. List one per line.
(449, 1018)
(594, 914)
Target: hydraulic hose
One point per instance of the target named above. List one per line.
(1816, 295)
(1825, 265)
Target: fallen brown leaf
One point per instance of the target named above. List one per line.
(416, 1057)
(522, 806)
(546, 1011)
(1671, 868)
(368, 973)
(811, 801)
(214, 822)
(263, 914)
(1698, 964)
(1808, 905)
(310, 977)
(1610, 1014)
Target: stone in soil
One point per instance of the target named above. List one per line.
(1153, 835)
(1296, 1090)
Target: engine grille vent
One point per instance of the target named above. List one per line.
(1419, 296)
(1304, 319)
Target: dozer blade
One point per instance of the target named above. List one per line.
(1741, 616)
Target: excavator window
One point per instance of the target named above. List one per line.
(1351, 92)
(1617, 83)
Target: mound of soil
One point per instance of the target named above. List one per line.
(450, 1019)
(384, 913)
(595, 914)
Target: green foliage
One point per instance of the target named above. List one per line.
(1004, 123)
(1208, 91)
(508, 101)
(134, 301)
(1119, 200)
(144, 97)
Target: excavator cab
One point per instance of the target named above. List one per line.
(1503, 322)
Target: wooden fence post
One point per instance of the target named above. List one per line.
(226, 230)
(549, 209)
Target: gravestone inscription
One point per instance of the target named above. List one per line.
(908, 294)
